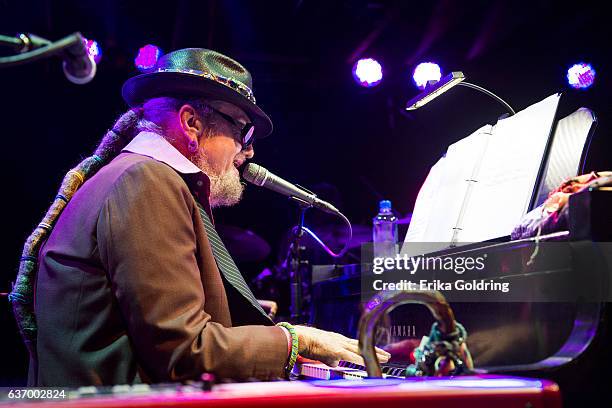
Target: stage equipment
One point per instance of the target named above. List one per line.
(147, 57)
(555, 321)
(335, 235)
(426, 72)
(260, 176)
(473, 391)
(434, 90)
(502, 336)
(367, 72)
(79, 66)
(581, 75)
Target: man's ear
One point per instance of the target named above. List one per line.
(190, 122)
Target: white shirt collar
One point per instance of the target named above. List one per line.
(157, 147)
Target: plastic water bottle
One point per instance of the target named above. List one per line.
(384, 231)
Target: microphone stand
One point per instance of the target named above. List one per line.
(33, 48)
(293, 263)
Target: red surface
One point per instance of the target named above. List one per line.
(486, 391)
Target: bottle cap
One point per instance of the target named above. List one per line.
(384, 205)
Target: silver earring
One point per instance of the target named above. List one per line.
(192, 146)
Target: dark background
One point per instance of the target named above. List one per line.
(327, 128)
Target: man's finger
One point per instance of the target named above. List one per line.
(352, 357)
(378, 349)
(383, 356)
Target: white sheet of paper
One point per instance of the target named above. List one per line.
(424, 203)
(462, 160)
(566, 150)
(508, 172)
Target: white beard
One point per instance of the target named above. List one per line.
(225, 189)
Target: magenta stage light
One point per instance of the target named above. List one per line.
(93, 49)
(147, 57)
(581, 75)
(426, 72)
(367, 72)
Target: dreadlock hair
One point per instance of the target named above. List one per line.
(150, 117)
(22, 294)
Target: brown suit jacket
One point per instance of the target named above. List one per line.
(128, 289)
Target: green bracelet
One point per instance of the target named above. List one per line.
(294, 345)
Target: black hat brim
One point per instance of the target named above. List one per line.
(138, 89)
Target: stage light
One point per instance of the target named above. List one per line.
(93, 49)
(581, 75)
(147, 57)
(367, 72)
(425, 72)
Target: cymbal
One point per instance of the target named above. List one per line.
(243, 245)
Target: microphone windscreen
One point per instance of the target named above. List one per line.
(254, 173)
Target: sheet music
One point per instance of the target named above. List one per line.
(441, 197)
(462, 159)
(508, 173)
(484, 184)
(563, 160)
(424, 203)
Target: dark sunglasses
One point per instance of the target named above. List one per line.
(246, 130)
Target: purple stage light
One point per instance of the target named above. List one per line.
(147, 57)
(367, 72)
(425, 72)
(93, 49)
(581, 75)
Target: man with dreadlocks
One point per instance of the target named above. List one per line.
(126, 280)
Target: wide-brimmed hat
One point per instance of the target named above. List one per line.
(193, 72)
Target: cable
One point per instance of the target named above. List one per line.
(11, 41)
(325, 247)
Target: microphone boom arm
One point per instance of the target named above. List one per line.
(45, 51)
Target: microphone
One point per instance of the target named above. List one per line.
(79, 66)
(260, 176)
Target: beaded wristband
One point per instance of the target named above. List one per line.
(294, 345)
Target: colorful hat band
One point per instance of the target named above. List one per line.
(229, 82)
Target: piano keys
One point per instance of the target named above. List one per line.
(347, 371)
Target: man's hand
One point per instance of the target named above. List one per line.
(269, 306)
(330, 347)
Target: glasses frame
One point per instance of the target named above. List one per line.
(246, 131)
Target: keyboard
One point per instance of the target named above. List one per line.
(347, 371)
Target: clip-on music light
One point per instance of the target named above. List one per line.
(433, 90)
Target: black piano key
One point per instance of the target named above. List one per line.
(393, 369)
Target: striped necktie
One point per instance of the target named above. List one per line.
(226, 264)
